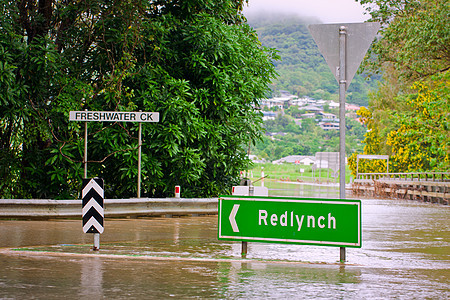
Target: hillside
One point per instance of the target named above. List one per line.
(302, 69)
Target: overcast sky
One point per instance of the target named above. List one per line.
(327, 11)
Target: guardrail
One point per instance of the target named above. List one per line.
(417, 176)
(37, 208)
(432, 187)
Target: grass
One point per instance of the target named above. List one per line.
(293, 172)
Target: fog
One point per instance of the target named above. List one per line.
(325, 11)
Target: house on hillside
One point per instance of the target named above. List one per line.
(321, 102)
(353, 107)
(299, 102)
(271, 103)
(269, 115)
(279, 102)
(312, 109)
(351, 110)
(308, 116)
(329, 126)
(328, 116)
(333, 104)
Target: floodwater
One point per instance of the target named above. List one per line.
(405, 255)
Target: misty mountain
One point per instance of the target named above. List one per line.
(302, 69)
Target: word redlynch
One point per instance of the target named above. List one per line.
(113, 116)
(286, 219)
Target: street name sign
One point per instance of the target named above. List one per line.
(113, 116)
(310, 221)
(92, 197)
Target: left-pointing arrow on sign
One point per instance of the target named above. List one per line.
(233, 218)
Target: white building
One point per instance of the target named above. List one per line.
(271, 103)
(328, 116)
(296, 159)
(307, 161)
(308, 116)
(329, 126)
(269, 115)
(321, 102)
(333, 104)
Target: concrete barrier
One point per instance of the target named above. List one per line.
(34, 208)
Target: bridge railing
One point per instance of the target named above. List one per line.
(416, 176)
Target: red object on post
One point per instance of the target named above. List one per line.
(177, 191)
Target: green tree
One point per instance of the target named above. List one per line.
(415, 39)
(197, 62)
(422, 140)
(414, 57)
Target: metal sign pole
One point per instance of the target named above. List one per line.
(342, 88)
(139, 160)
(96, 242)
(85, 148)
(245, 244)
(356, 39)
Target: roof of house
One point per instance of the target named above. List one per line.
(293, 158)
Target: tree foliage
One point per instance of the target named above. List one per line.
(415, 39)
(408, 117)
(421, 141)
(197, 62)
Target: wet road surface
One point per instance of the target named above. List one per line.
(405, 255)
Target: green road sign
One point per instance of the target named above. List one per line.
(309, 221)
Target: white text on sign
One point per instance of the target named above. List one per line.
(291, 219)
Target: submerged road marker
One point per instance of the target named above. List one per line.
(93, 209)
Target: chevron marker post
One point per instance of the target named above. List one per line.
(92, 197)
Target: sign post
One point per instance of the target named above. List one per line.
(343, 46)
(139, 160)
(114, 116)
(85, 149)
(307, 221)
(342, 89)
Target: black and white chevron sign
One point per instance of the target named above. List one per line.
(92, 196)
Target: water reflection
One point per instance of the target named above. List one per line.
(290, 280)
(91, 278)
(117, 279)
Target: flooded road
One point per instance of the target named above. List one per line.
(405, 255)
